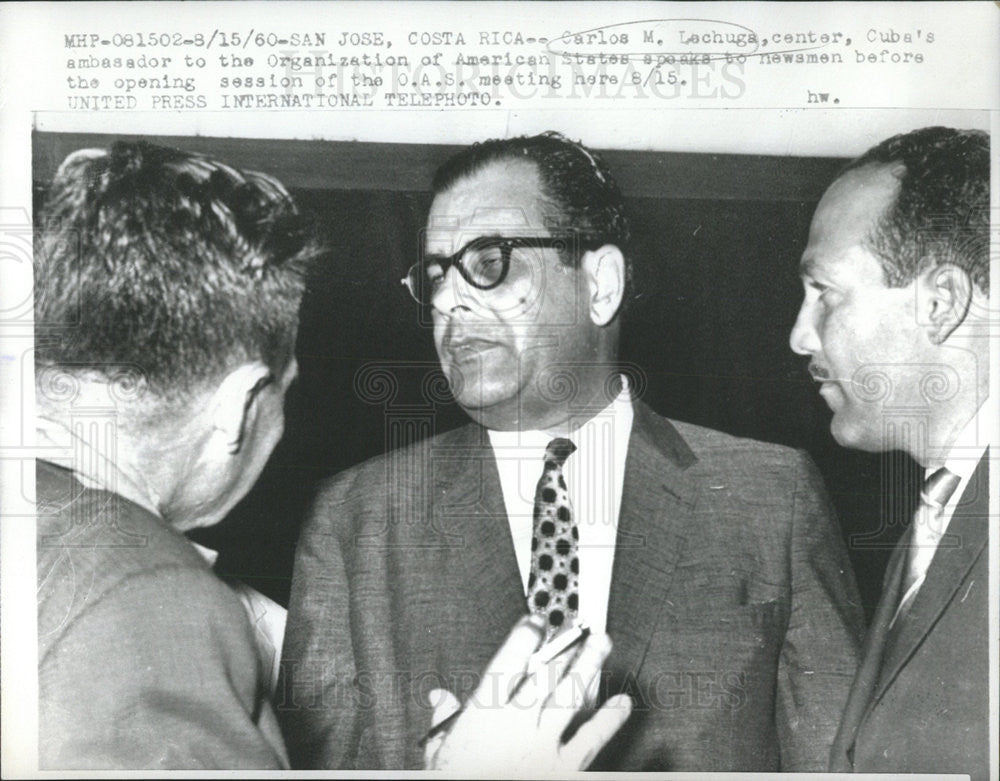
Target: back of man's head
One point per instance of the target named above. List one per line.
(941, 213)
(166, 264)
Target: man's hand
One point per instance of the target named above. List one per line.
(515, 720)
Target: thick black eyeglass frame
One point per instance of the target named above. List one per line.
(416, 280)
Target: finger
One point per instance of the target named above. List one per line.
(595, 733)
(431, 749)
(542, 677)
(593, 652)
(547, 675)
(444, 704)
(559, 664)
(508, 665)
(528, 692)
(578, 687)
(588, 664)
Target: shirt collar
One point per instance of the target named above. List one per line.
(968, 447)
(209, 555)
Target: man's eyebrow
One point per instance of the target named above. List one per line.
(431, 257)
(434, 256)
(807, 267)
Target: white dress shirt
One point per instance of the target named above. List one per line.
(594, 473)
(929, 528)
(267, 618)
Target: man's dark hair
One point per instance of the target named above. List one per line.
(941, 213)
(581, 192)
(169, 263)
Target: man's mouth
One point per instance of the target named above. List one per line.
(466, 348)
(819, 373)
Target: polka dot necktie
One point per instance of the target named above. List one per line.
(553, 585)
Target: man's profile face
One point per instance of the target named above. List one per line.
(862, 337)
(501, 347)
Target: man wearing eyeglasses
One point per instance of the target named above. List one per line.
(711, 562)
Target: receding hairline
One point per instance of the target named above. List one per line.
(885, 179)
(548, 205)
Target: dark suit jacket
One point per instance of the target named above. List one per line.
(146, 660)
(920, 701)
(733, 609)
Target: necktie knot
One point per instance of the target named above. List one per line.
(939, 487)
(558, 450)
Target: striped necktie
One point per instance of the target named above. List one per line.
(927, 532)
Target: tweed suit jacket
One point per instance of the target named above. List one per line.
(733, 609)
(146, 660)
(920, 701)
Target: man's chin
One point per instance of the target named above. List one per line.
(848, 433)
(476, 398)
(477, 389)
(499, 416)
(832, 394)
(497, 403)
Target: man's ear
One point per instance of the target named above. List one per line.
(945, 296)
(605, 272)
(233, 405)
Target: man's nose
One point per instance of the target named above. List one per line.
(451, 293)
(803, 339)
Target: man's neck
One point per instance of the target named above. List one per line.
(946, 432)
(568, 408)
(570, 425)
(100, 456)
(578, 419)
(105, 451)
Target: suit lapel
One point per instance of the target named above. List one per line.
(867, 676)
(881, 664)
(657, 502)
(468, 503)
(967, 533)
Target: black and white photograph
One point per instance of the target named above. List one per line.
(500, 391)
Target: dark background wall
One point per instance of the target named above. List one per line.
(718, 238)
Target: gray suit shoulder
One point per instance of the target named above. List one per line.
(105, 533)
(751, 464)
(707, 443)
(95, 547)
(401, 462)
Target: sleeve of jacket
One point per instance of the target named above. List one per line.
(159, 672)
(825, 627)
(317, 698)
